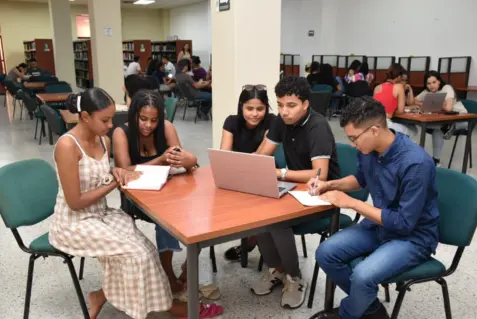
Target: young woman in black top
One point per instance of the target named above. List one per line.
(314, 76)
(149, 139)
(245, 133)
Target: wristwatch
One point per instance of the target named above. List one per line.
(284, 173)
(107, 179)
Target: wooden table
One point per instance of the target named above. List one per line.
(34, 85)
(198, 214)
(53, 97)
(468, 89)
(423, 120)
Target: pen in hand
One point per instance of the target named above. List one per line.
(317, 179)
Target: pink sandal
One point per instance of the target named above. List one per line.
(209, 310)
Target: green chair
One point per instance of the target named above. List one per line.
(171, 106)
(471, 107)
(28, 196)
(458, 220)
(322, 88)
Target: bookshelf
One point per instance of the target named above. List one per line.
(83, 64)
(141, 48)
(169, 49)
(42, 51)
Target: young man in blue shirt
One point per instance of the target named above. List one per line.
(400, 229)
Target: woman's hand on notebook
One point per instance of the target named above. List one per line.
(123, 176)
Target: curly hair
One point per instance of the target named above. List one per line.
(293, 85)
(363, 110)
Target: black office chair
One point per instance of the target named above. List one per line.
(187, 94)
(320, 102)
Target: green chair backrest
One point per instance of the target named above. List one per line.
(27, 192)
(322, 88)
(347, 160)
(470, 105)
(280, 160)
(171, 105)
(457, 207)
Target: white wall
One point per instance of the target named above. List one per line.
(436, 28)
(298, 17)
(192, 22)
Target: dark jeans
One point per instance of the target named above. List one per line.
(207, 104)
(385, 260)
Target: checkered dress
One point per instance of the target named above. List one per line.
(134, 281)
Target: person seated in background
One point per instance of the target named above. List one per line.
(134, 67)
(33, 68)
(400, 229)
(182, 78)
(168, 66)
(392, 96)
(307, 69)
(16, 73)
(134, 83)
(199, 72)
(149, 139)
(433, 83)
(160, 73)
(245, 133)
(364, 74)
(326, 77)
(209, 73)
(314, 75)
(408, 92)
(83, 224)
(352, 70)
(309, 148)
(151, 66)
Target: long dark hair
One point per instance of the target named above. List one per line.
(354, 66)
(364, 68)
(442, 83)
(394, 71)
(327, 73)
(246, 96)
(145, 98)
(90, 101)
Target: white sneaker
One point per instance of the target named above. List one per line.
(293, 294)
(270, 279)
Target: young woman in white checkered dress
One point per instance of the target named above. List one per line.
(83, 224)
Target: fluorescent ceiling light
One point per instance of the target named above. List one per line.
(144, 2)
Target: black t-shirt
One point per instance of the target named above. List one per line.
(311, 138)
(318, 78)
(247, 140)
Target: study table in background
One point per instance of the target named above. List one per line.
(423, 120)
(53, 97)
(34, 85)
(199, 215)
(72, 119)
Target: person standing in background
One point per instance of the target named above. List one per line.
(184, 53)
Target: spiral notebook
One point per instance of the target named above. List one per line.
(153, 177)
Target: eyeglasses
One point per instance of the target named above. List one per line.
(353, 139)
(258, 87)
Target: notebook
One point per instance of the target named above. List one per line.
(153, 177)
(307, 200)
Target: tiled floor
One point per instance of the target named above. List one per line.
(54, 297)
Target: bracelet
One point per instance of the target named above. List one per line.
(107, 179)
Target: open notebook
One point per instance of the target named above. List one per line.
(153, 177)
(307, 200)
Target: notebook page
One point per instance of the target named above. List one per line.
(153, 177)
(307, 200)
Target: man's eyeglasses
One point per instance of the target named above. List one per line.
(258, 87)
(353, 139)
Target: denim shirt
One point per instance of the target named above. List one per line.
(402, 183)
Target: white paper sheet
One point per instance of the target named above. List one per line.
(152, 178)
(307, 200)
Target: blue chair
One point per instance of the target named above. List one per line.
(28, 196)
(58, 87)
(471, 107)
(186, 92)
(458, 221)
(322, 88)
(55, 122)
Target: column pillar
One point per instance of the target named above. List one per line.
(106, 46)
(60, 17)
(245, 50)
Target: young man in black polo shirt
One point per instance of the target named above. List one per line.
(309, 145)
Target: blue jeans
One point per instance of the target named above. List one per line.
(385, 260)
(207, 105)
(166, 241)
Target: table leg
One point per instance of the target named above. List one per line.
(468, 140)
(193, 281)
(50, 135)
(423, 134)
(330, 285)
(244, 256)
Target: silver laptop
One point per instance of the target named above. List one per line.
(247, 173)
(433, 102)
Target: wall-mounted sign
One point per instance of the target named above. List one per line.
(46, 48)
(223, 5)
(142, 48)
(311, 33)
(108, 31)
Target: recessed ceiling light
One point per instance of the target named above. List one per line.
(144, 2)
